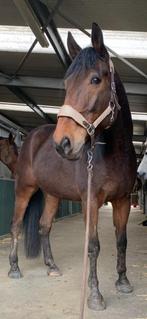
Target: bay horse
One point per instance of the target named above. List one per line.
(9, 153)
(54, 159)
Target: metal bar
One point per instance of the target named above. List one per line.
(20, 65)
(32, 82)
(77, 25)
(44, 16)
(139, 138)
(27, 100)
(53, 12)
(8, 129)
(54, 38)
(58, 84)
(11, 124)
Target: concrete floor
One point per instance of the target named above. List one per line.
(38, 296)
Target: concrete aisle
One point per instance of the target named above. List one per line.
(37, 296)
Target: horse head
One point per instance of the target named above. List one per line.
(8, 151)
(90, 102)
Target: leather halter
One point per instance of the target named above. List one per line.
(69, 111)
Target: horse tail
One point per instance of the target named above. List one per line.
(32, 239)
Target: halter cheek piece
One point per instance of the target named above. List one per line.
(69, 111)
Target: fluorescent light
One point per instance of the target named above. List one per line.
(138, 116)
(20, 107)
(50, 109)
(128, 44)
(137, 143)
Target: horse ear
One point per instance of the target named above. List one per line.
(97, 40)
(11, 138)
(73, 47)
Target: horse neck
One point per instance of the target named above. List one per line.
(121, 131)
(123, 126)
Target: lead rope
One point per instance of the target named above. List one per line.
(85, 259)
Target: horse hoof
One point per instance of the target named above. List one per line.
(15, 274)
(123, 286)
(54, 272)
(96, 303)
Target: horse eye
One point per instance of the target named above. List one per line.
(95, 80)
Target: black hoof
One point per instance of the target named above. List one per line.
(54, 271)
(15, 274)
(96, 302)
(123, 286)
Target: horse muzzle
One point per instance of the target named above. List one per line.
(66, 150)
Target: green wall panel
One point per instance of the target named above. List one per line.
(6, 205)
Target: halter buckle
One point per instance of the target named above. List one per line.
(89, 127)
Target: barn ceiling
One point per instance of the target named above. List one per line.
(31, 82)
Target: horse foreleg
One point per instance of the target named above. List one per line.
(21, 202)
(95, 299)
(121, 210)
(50, 209)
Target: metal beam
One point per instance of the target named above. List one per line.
(32, 82)
(49, 27)
(4, 120)
(27, 100)
(135, 88)
(58, 84)
(29, 17)
(39, 33)
(139, 138)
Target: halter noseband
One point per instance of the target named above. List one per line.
(69, 111)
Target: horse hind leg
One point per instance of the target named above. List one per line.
(121, 210)
(21, 202)
(50, 209)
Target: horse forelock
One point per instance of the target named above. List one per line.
(85, 60)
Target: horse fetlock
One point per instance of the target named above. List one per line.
(93, 282)
(96, 301)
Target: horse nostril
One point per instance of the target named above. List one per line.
(64, 147)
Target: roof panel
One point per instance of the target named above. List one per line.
(110, 15)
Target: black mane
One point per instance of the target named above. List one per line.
(86, 60)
